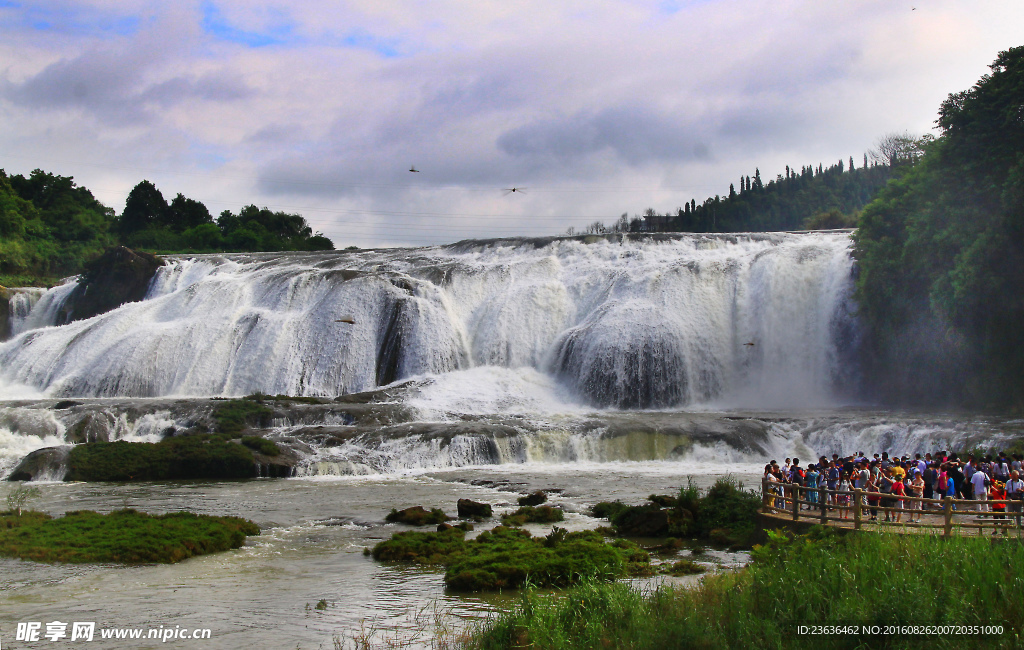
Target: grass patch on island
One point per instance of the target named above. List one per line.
(124, 536)
(533, 515)
(509, 558)
(821, 579)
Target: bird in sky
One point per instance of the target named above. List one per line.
(509, 190)
(412, 168)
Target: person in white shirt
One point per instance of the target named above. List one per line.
(980, 481)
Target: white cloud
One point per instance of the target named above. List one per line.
(596, 107)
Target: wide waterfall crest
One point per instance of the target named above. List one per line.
(620, 321)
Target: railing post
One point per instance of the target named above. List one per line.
(947, 513)
(764, 494)
(821, 504)
(796, 502)
(856, 507)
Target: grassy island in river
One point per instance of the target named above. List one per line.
(124, 536)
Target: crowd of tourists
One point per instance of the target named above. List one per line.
(886, 481)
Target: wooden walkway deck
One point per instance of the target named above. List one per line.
(947, 516)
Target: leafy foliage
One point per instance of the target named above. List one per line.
(125, 536)
(813, 198)
(941, 255)
(50, 226)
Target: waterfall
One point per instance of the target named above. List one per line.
(615, 321)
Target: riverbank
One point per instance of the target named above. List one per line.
(820, 589)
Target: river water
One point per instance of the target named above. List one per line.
(311, 548)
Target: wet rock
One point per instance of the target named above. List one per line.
(5, 313)
(94, 427)
(469, 509)
(533, 499)
(417, 516)
(279, 465)
(118, 276)
(49, 463)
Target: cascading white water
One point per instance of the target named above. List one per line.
(628, 322)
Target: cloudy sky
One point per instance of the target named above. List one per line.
(596, 107)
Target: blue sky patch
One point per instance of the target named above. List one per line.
(75, 21)
(215, 24)
(388, 48)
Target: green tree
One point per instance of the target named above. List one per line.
(144, 208)
(184, 213)
(941, 254)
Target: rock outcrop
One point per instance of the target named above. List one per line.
(469, 509)
(118, 276)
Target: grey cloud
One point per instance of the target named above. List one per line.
(112, 85)
(216, 87)
(636, 134)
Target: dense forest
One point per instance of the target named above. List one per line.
(941, 255)
(50, 226)
(813, 198)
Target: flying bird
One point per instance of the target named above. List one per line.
(412, 168)
(749, 344)
(347, 319)
(509, 190)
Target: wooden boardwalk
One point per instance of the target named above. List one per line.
(947, 516)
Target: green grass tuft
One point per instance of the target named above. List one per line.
(819, 579)
(508, 558)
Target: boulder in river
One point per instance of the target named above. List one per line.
(533, 499)
(49, 463)
(469, 509)
(417, 516)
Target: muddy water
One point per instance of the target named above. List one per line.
(311, 549)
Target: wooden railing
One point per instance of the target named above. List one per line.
(946, 514)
